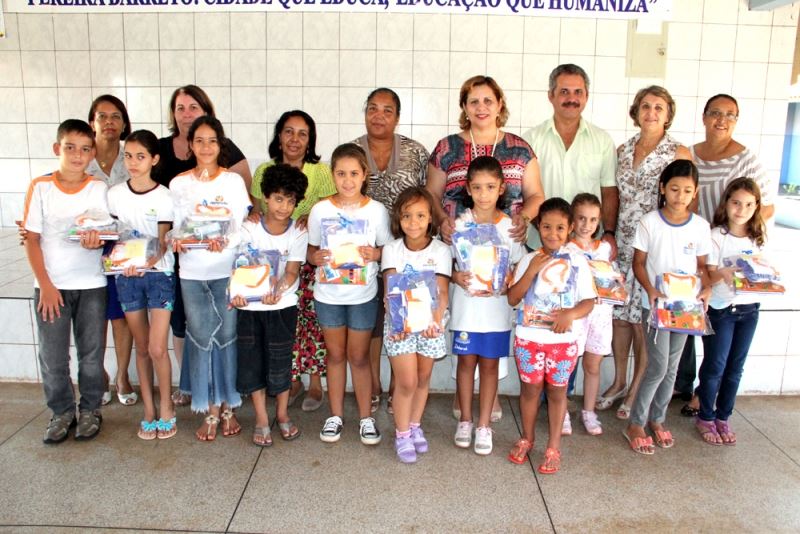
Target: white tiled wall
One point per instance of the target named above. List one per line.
(257, 65)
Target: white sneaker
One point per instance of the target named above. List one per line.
(331, 430)
(463, 436)
(591, 423)
(483, 440)
(369, 432)
(566, 426)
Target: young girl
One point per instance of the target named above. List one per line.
(737, 229)
(346, 312)
(412, 355)
(266, 328)
(546, 358)
(481, 324)
(670, 239)
(147, 207)
(210, 325)
(596, 329)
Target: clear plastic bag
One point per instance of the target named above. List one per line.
(479, 250)
(197, 232)
(754, 274)
(411, 300)
(681, 311)
(255, 274)
(131, 250)
(97, 220)
(609, 282)
(553, 289)
(342, 236)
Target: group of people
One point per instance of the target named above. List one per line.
(560, 190)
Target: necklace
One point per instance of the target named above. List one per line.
(475, 148)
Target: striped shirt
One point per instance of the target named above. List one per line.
(715, 176)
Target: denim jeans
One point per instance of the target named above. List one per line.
(210, 350)
(724, 356)
(84, 311)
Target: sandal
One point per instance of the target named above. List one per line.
(689, 411)
(640, 445)
(708, 431)
(389, 408)
(624, 412)
(724, 430)
(148, 430)
(604, 403)
(289, 431)
(128, 399)
(519, 453)
(167, 427)
(180, 399)
(211, 422)
(106, 398)
(228, 421)
(551, 463)
(664, 438)
(262, 436)
(374, 403)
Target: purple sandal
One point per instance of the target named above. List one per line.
(724, 430)
(708, 431)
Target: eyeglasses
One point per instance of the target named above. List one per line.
(102, 117)
(717, 114)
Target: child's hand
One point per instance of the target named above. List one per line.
(446, 230)
(321, 257)
(302, 222)
(255, 214)
(91, 239)
(461, 279)
(178, 247)
(434, 330)
(704, 295)
(652, 295)
(562, 321)
(369, 253)
(131, 270)
(50, 303)
(22, 232)
(537, 263)
(519, 228)
(398, 337)
(217, 245)
(271, 298)
(237, 302)
(727, 274)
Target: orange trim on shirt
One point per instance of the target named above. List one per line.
(594, 246)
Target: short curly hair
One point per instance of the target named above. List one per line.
(655, 90)
(285, 179)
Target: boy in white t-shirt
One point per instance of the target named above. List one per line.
(266, 328)
(70, 288)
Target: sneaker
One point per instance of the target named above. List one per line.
(483, 440)
(566, 426)
(331, 430)
(370, 435)
(58, 427)
(406, 452)
(88, 425)
(463, 436)
(418, 437)
(591, 423)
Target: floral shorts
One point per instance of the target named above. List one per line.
(550, 362)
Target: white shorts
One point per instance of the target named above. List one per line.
(597, 331)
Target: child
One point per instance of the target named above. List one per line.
(204, 274)
(412, 355)
(146, 207)
(481, 324)
(346, 312)
(70, 286)
(670, 239)
(596, 329)
(266, 328)
(545, 358)
(737, 229)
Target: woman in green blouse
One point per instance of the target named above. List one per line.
(294, 143)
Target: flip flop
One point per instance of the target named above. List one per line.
(289, 431)
(624, 412)
(640, 445)
(664, 438)
(708, 431)
(262, 436)
(128, 399)
(724, 429)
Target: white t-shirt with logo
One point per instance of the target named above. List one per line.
(226, 190)
(435, 257)
(292, 244)
(725, 245)
(143, 212)
(671, 247)
(378, 235)
(49, 212)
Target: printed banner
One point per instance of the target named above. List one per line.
(659, 9)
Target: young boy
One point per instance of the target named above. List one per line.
(266, 328)
(70, 288)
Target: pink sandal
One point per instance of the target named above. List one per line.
(708, 431)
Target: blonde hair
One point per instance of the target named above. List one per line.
(471, 83)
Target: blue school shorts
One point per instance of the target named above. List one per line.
(153, 291)
(353, 316)
(484, 344)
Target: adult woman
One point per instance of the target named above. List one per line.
(640, 162)
(396, 163)
(111, 125)
(483, 114)
(185, 105)
(720, 159)
(295, 143)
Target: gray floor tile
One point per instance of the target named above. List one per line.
(19, 404)
(354, 488)
(777, 417)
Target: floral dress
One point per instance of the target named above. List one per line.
(638, 195)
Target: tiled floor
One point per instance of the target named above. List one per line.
(122, 483)
(16, 280)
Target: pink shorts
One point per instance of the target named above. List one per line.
(550, 362)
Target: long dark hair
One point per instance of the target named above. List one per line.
(223, 160)
(489, 165)
(756, 229)
(408, 196)
(147, 139)
(275, 150)
(117, 103)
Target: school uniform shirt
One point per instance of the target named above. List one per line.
(292, 244)
(725, 245)
(671, 247)
(226, 189)
(435, 257)
(49, 212)
(378, 235)
(483, 314)
(584, 289)
(143, 212)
